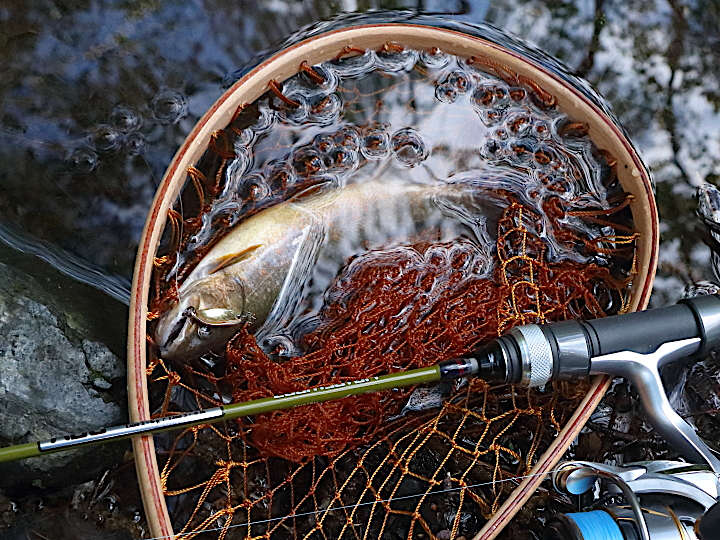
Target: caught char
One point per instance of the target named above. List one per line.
(259, 272)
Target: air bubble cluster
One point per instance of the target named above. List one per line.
(342, 120)
(454, 84)
(122, 133)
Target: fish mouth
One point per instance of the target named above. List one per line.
(174, 333)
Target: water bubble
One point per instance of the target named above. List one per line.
(326, 110)
(489, 95)
(324, 143)
(518, 123)
(83, 159)
(556, 183)
(169, 106)
(295, 114)
(500, 134)
(460, 256)
(409, 147)
(348, 137)
(135, 143)
(606, 297)
(480, 265)
(254, 188)
(124, 119)
(434, 58)
(459, 80)
(307, 162)
(437, 256)
(106, 139)
(544, 155)
(376, 143)
(541, 129)
(491, 117)
(396, 60)
(491, 148)
(203, 332)
(446, 93)
(501, 95)
(354, 66)
(522, 149)
(342, 160)
(280, 345)
(517, 94)
(279, 175)
(329, 83)
(483, 96)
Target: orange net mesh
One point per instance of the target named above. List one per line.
(347, 469)
(369, 466)
(386, 315)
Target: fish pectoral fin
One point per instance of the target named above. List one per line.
(232, 258)
(299, 273)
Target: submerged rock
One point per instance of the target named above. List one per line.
(56, 377)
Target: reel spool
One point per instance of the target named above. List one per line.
(663, 500)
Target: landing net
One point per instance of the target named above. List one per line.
(432, 463)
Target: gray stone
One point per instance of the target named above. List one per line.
(53, 380)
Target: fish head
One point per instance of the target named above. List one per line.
(209, 311)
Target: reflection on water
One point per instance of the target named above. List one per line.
(96, 97)
(80, 270)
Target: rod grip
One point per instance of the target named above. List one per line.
(642, 331)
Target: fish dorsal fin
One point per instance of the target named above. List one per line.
(232, 258)
(324, 193)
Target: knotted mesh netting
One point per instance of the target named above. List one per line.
(429, 463)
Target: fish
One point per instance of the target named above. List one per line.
(260, 271)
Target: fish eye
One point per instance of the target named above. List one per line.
(203, 332)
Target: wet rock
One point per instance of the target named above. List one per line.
(55, 378)
(107, 507)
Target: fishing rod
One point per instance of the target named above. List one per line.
(632, 345)
(448, 370)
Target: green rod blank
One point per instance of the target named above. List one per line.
(335, 391)
(20, 451)
(227, 412)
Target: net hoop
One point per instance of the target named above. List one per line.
(575, 102)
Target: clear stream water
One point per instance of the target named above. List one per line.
(402, 147)
(96, 96)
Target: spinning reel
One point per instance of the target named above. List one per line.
(663, 500)
(652, 500)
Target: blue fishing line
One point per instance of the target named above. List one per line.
(596, 525)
